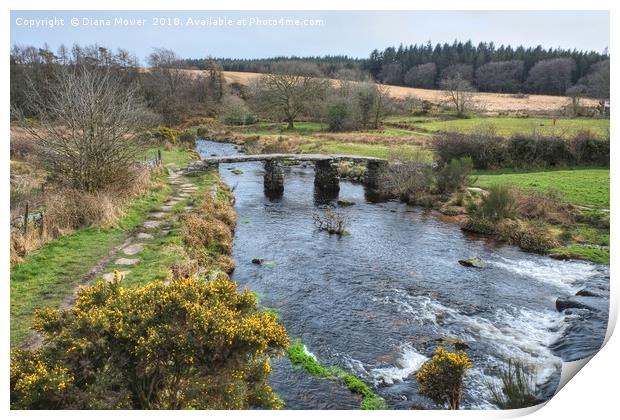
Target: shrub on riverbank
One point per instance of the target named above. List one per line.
(441, 377)
(187, 344)
(489, 151)
(208, 231)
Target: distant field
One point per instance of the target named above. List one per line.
(506, 126)
(585, 187)
(492, 102)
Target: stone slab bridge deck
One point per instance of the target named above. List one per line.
(326, 178)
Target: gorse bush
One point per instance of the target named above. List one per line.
(441, 377)
(517, 389)
(191, 343)
(187, 138)
(489, 151)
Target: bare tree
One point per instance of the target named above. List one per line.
(456, 71)
(422, 76)
(391, 74)
(500, 76)
(290, 90)
(459, 92)
(87, 126)
(331, 220)
(551, 76)
(163, 83)
(576, 93)
(597, 80)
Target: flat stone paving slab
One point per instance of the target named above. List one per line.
(153, 224)
(110, 276)
(188, 186)
(166, 208)
(144, 235)
(159, 214)
(133, 249)
(127, 261)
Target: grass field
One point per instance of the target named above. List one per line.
(506, 126)
(582, 186)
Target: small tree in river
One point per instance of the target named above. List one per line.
(441, 377)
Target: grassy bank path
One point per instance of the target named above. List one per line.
(51, 275)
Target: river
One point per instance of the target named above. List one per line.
(377, 302)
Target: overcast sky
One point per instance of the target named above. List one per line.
(351, 33)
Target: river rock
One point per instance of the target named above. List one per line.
(475, 262)
(345, 203)
(258, 261)
(456, 343)
(578, 302)
(585, 292)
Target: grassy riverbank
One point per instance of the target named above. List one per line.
(47, 276)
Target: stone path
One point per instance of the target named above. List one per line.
(158, 224)
(128, 254)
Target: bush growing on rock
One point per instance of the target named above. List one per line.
(187, 344)
(441, 377)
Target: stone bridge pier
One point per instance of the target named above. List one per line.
(326, 179)
(374, 170)
(273, 178)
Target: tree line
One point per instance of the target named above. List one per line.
(487, 67)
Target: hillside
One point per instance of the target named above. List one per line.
(489, 102)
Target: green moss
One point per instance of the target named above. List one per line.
(587, 253)
(299, 357)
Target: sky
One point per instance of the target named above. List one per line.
(247, 34)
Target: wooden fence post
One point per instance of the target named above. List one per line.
(26, 216)
(159, 156)
(41, 221)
